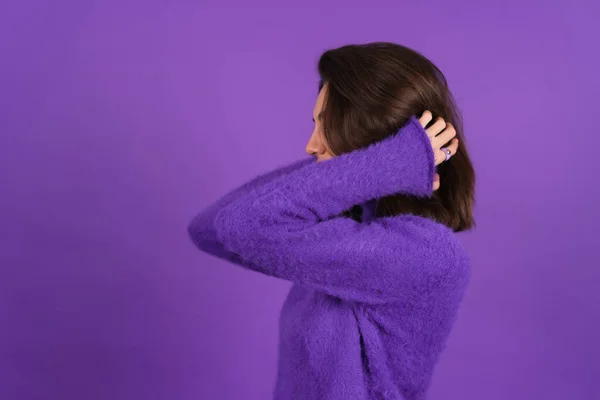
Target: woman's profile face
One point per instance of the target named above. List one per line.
(317, 145)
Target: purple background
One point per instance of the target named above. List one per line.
(120, 120)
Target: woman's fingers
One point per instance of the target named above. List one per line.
(436, 182)
(438, 126)
(444, 137)
(425, 119)
(453, 147)
(440, 153)
(439, 134)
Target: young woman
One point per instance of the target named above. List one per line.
(366, 233)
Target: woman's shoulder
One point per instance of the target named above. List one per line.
(434, 238)
(422, 227)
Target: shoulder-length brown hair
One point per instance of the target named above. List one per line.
(372, 91)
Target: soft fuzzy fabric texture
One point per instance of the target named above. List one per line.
(373, 301)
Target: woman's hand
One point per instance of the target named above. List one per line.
(439, 134)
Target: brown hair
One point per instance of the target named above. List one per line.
(372, 91)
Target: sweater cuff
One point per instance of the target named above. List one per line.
(420, 133)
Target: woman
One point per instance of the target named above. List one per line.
(365, 233)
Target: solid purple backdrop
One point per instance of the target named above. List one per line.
(120, 120)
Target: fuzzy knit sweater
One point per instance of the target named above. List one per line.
(373, 301)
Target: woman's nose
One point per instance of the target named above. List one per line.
(313, 147)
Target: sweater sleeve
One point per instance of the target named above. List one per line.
(289, 228)
(202, 230)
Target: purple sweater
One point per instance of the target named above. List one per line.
(373, 301)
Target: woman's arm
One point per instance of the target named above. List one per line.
(288, 227)
(202, 229)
